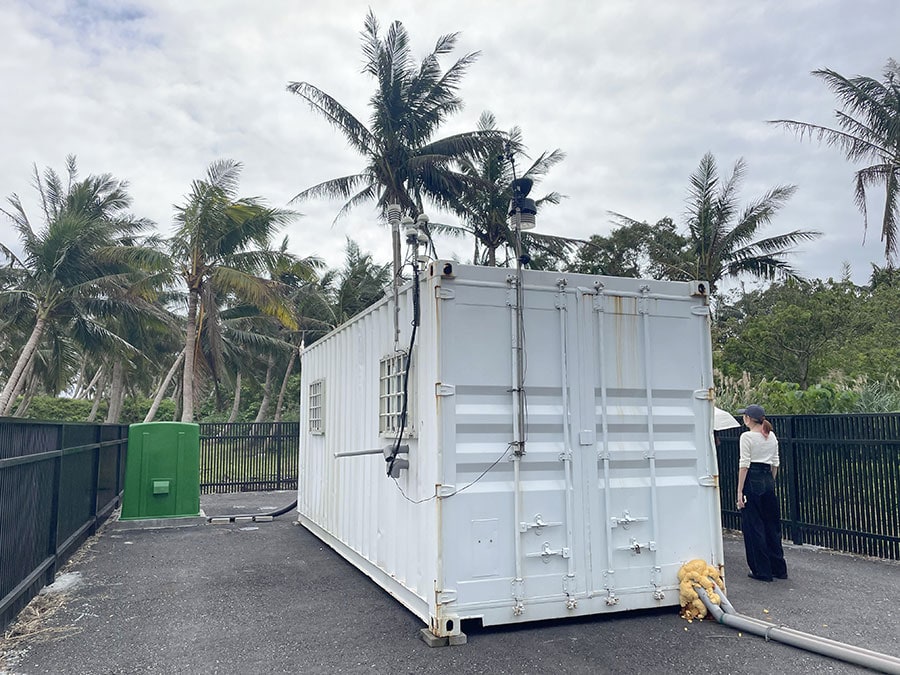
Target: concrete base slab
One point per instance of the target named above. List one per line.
(159, 523)
(433, 640)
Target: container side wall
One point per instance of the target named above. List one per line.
(383, 526)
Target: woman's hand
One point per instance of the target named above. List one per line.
(741, 501)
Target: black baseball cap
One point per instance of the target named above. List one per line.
(754, 412)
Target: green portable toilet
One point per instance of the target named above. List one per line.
(162, 471)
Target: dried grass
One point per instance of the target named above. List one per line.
(30, 626)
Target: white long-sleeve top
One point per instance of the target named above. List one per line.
(757, 448)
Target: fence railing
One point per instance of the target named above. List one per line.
(839, 481)
(249, 456)
(58, 482)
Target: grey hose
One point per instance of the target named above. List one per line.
(837, 650)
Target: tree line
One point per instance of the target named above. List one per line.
(96, 304)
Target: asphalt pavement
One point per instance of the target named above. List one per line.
(269, 597)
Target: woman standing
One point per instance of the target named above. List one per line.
(756, 498)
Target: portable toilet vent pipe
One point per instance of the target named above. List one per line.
(727, 615)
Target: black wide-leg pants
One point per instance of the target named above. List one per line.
(761, 524)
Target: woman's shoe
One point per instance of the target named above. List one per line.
(758, 577)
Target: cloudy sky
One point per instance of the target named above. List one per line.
(634, 91)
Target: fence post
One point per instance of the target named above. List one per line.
(794, 484)
(54, 505)
(279, 434)
(95, 485)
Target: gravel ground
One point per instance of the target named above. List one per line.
(271, 598)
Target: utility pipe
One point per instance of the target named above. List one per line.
(518, 441)
(644, 311)
(859, 656)
(600, 308)
(727, 609)
(566, 423)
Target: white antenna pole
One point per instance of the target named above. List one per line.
(393, 215)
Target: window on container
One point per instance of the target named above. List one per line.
(390, 400)
(317, 407)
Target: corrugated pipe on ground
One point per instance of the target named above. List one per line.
(727, 615)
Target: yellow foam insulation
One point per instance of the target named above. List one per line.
(693, 575)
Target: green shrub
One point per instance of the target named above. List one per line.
(833, 396)
(52, 409)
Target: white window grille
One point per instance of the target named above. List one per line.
(317, 407)
(390, 402)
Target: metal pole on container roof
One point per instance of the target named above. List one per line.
(522, 211)
(393, 216)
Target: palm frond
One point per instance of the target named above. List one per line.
(334, 187)
(355, 131)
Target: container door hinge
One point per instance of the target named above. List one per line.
(444, 293)
(517, 589)
(444, 490)
(656, 582)
(441, 389)
(709, 481)
(445, 596)
(700, 310)
(705, 394)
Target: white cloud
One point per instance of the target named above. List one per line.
(634, 92)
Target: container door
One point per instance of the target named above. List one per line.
(642, 358)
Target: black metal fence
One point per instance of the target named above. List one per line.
(249, 456)
(839, 481)
(58, 482)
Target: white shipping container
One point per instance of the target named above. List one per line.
(618, 483)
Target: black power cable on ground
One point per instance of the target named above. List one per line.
(252, 517)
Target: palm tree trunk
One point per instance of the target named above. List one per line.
(237, 398)
(79, 385)
(21, 363)
(24, 382)
(264, 406)
(116, 393)
(178, 400)
(93, 383)
(492, 256)
(284, 384)
(98, 395)
(187, 386)
(163, 387)
(29, 382)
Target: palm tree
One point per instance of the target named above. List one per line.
(868, 129)
(222, 247)
(359, 283)
(75, 270)
(484, 203)
(721, 238)
(405, 164)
